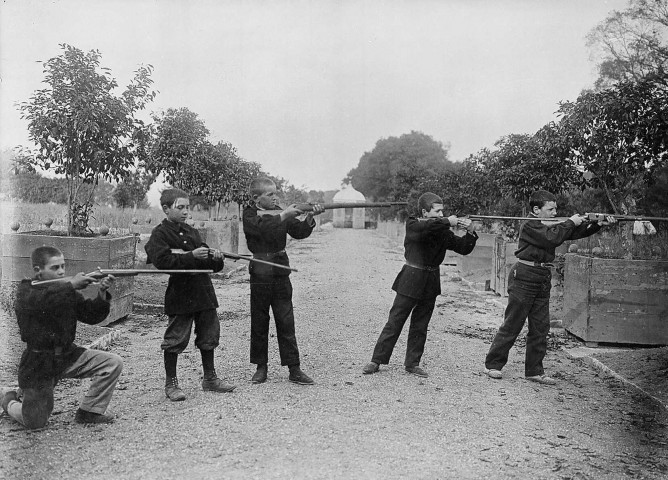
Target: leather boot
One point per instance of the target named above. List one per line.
(172, 390)
(260, 375)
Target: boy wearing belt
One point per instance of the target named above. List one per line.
(419, 281)
(266, 236)
(47, 314)
(529, 284)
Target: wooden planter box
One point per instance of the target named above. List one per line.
(82, 254)
(477, 266)
(503, 258)
(616, 301)
(221, 234)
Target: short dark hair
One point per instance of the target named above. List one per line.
(540, 197)
(171, 195)
(427, 200)
(259, 184)
(41, 255)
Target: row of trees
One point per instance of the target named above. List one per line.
(606, 151)
(90, 136)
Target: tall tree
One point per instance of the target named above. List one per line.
(82, 129)
(392, 168)
(632, 44)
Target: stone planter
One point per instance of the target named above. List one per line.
(616, 301)
(82, 254)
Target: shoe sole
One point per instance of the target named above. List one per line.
(222, 390)
(418, 375)
(371, 372)
(540, 381)
(175, 399)
(258, 382)
(493, 377)
(301, 383)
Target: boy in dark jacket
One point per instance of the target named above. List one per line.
(47, 315)
(189, 298)
(266, 236)
(419, 282)
(529, 285)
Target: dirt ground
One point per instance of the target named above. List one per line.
(455, 424)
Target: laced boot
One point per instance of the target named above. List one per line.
(211, 383)
(172, 390)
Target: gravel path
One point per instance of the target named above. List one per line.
(455, 424)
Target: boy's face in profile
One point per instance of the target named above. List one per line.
(54, 268)
(549, 210)
(269, 198)
(178, 211)
(435, 212)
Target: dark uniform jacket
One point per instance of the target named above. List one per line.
(266, 236)
(186, 293)
(47, 316)
(426, 243)
(538, 241)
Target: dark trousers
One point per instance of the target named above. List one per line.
(417, 333)
(528, 297)
(275, 293)
(179, 328)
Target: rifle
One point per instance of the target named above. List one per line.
(589, 217)
(308, 207)
(242, 257)
(101, 273)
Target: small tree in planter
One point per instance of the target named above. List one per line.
(86, 133)
(182, 153)
(83, 130)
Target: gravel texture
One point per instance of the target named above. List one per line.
(455, 424)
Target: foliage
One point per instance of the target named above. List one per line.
(182, 152)
(392, 169)
(619, 136)
(33, 187)
(131, 192)
(522, 164)
(84, 131)
(631, 45)
(179, 148)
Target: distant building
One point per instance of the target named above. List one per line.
(349, 217)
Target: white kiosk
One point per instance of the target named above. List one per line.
(348, 217)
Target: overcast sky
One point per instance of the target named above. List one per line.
(306, 87)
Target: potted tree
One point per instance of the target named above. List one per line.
(619, 136)
(182, 153)
(86, 132)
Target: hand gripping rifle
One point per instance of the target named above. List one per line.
(101, 273)
(308, 207)
(234, 256)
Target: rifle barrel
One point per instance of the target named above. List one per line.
(101, 273)
(308, 207)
